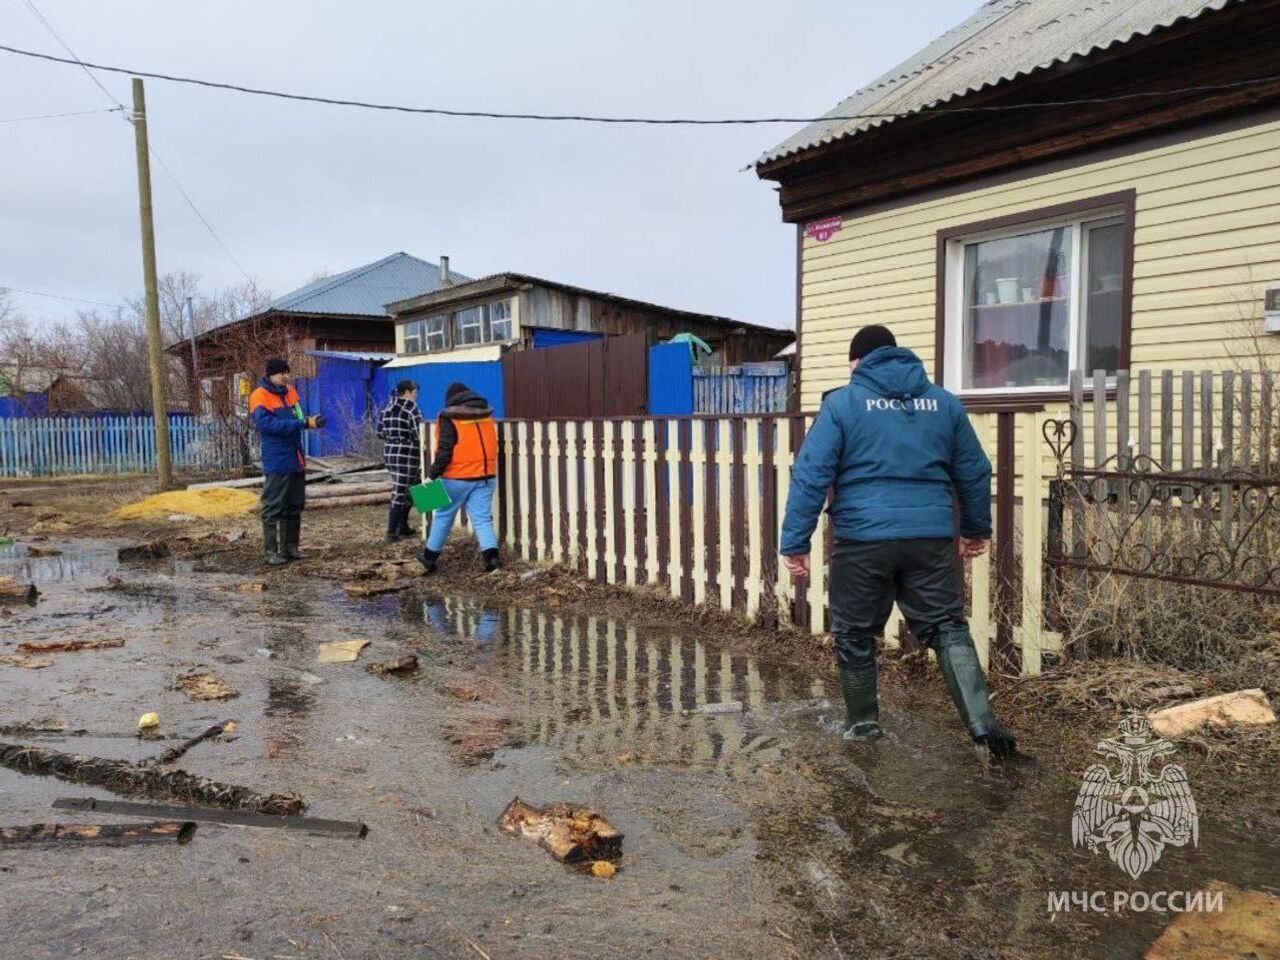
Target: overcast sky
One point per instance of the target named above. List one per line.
(657, 213)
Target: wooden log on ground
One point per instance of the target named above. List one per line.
(128, 778)
(362, 500)
(11, 591)
(106, 834)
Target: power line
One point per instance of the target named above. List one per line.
(60, 116)
(173, 177)
(56, 296)
(653, 121)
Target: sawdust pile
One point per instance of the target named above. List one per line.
(212, 502)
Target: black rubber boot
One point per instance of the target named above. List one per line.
(862, 708)
(491, 562)
(406, 528)
(290, 532)
(967, 685)
(395, 523)
(271, 545)
(428, 559)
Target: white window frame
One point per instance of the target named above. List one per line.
(476, 323)
(436, 328)
(414, 337)
(953, 333)
(508, 320)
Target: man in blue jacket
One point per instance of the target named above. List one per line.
(278, 415)
(895, 448)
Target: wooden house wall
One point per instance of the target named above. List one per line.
(1205, 247)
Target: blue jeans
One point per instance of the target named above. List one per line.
(477, 497)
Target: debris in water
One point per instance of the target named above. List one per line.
(341, 651)
(626, 758)
(201, 685)
(1241, 708)
(43, 551)
(264, 652)
(27, 663)
(112, 835)
(151, 550)
(234, 536)
(244, 586)
(124, 777)
(569, 833)
(374, 589)
(603, 869)
(173, 753)
(70, 646)
(310, 678)
(149, 721)
(1247, 926)
(314, 825)
(212, 502)
(399, 666)
(180, 518)
(728, 706)
(11, 591)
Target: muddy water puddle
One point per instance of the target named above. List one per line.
(750, 829)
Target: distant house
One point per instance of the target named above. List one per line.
(343, 313)
(1010, 238)
(479, 320)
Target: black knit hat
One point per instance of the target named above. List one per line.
(454, 391)
(277, 365)
(405, 386)
(870, 338)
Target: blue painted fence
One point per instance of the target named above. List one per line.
(482, 376)
(750, 388)
(68, 446)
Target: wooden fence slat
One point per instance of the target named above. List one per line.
(1207, 459)
(1266, 414)
(572, 494)
(630, 505)
(590, 497)
(724, 497)
(817, 591)
(980, 567)
(1246, 419)
(784, 459)
(1033, 544)
(753, 506)
(1124, 453)
(555, 541)
(1166, 419)
(1076, 382)
(1099, 418)
(1228, 418)
(610, 501)
(652, 560)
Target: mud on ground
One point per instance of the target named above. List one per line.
(748, 834)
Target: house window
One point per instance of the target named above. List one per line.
(1028, 303)
(499, 321)
(468, 327)
(414, 332)
(436, 332)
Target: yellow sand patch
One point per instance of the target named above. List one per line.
(211, 502)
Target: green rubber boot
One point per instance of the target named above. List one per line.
(862, 708)
(271, 545)
(967, 685)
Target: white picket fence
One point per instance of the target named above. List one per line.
(70, 446)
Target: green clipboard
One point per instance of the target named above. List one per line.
(429, 497)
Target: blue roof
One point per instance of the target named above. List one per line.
(365, 290)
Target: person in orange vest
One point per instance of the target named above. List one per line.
(278, 415)
(466, 459)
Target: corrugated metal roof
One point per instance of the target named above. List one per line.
(365, 290)
(1001, 41)
(351, 355)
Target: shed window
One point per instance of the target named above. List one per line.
(1028, 304)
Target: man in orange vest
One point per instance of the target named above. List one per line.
(278, 416)
(466, 459)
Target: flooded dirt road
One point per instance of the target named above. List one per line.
(750, 832)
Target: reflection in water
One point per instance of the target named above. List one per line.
(288, 703)
(76, 561)
(597, 686)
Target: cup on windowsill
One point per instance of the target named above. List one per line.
(1007, 289)
(1029, 295)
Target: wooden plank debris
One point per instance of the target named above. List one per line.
(204, 685)
(105, 834)
(173, 753)
(128, 778)
(70, 646)
(316, 825)
(11, 591)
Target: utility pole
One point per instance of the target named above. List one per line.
(155, 350)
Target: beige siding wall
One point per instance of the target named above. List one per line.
(1207, 241)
